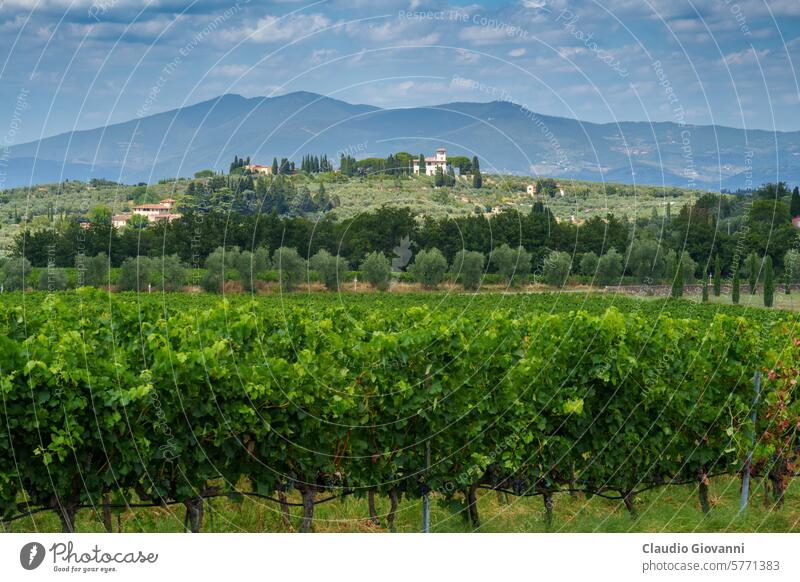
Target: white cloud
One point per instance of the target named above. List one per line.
(465, 56)
(322, 55)
(230, 70)
(484, 34)
(271, 29)
(745, 57)
(517, 52)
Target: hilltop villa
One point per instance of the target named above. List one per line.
(259, 169)
(438, 161)
(153, 212)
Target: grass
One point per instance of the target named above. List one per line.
(789, 302)
(781, 300)
(667, 509)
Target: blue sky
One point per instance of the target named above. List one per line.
(80, 64)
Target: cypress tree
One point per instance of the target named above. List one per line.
(477, 179)
(735, 286)
(274, 166)
(717, 277)
(705, 287)
(677, 282)
(422, 164)
(794, 207)
(438, 181)
(769, 283)
(752, 271)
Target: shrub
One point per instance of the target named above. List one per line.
(556, 268)
(377, 270)
(469, 266)
(291, 267)
(429, 268)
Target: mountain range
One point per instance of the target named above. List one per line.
(507, 138)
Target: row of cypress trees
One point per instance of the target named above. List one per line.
(753, 271)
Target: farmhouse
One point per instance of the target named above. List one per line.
(437, 161)
(258, 169)
(533, 189)
(153, 213)
(120, 220)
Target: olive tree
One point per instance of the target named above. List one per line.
(249, 264)
(291, 267)
(92, 271)
(645, 260)
(791, 265)
(512, 265)
(329, 268)
(588, 265)
(52, 279)
(689, 267)
(170, 273)
(429, 268)
(556, 268)
(218, 264)
(469, 266)
(16, 273)
(377, 270)
(609, 267)
(135, 274)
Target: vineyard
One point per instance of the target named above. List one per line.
(113, 402)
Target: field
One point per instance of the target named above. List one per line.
(616, 413)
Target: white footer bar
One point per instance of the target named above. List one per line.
(401, 557)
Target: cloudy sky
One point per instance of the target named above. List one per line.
(81, 63)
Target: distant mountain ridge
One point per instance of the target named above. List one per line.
(506, 137)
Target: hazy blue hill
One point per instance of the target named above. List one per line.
(506, 136)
